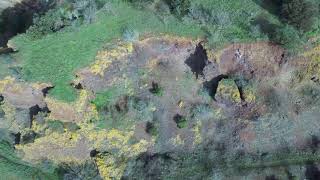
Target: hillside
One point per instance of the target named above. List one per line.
(160, 89)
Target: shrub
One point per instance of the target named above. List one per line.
(86, 9)
(129, 34)
(201, 14)
(86, 170)
(12, 167)
(104, 99)
(71, 13)
(55, 126)
(179, 8)
(299, 13)
(288, 37)
(140, 3)
(49, 23)
(156, 89)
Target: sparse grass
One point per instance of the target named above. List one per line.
(154, 131)
(107, 97)
(156, 89)
(11, 167)
(112, 116)
(280, 159)
(181, 121)
(7, 68)
(230, 21)
(55, 126)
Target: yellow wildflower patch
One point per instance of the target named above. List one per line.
(65, 147)
(75, 147)
(40, 86)
(228, 90)
(314, 66)
(100, 66)
(249, 95)
(62, 111)
(6, 81)
(197, 133)
(79, 111)
(181, 104)
(105, 58)
(9, 120)
(108, 165)
(177, 141)
(152, 63)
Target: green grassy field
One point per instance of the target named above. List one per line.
(57, 56)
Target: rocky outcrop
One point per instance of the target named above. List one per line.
(22, 101)
(228, 92)
(115, 64)
(157, 91)
(254, 60)
(24, 96)
(78, 111)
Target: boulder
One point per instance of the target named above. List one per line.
(228, 91)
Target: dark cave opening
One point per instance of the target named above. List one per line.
(156, 89)
(1, 98)
(314, 144)
(180, 120)
(198, 60)
(312, 171)
(212, 85)
(271, 177)
(151, 129)
(77, 86)
(46, 90)
(94, 153)
(34, 110)
(241, 93)
(17, 138)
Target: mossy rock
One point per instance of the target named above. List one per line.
(249, 94)
(228, 91)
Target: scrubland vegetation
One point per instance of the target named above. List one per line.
(68, 37)
(263, 114)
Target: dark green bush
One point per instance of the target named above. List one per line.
(140, 3)
(288, 37)
(86, 170)
(49, 23)
(70, 13)
(55, 126)
(201, 14)
(179, 7)
(301, 14)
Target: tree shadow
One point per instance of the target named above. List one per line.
(266, 26)
(17, 19)
(272, 6)
(212, 85)
(312, 171)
